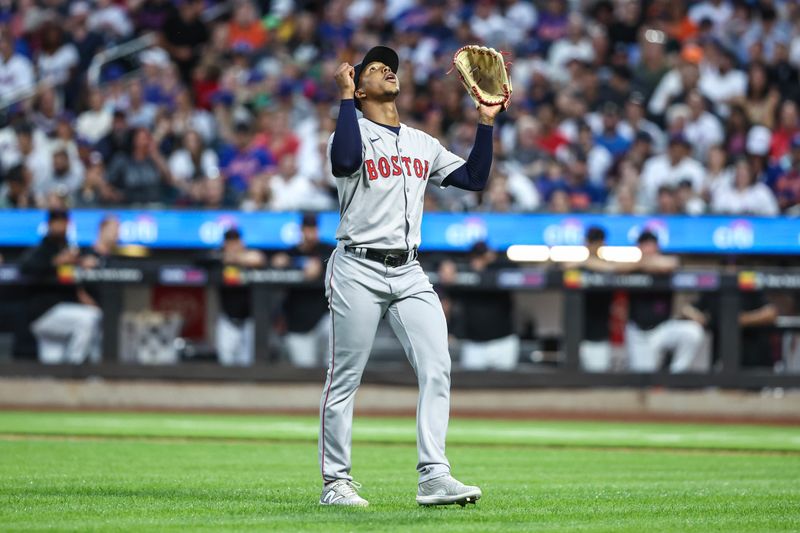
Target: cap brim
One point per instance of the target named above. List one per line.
(382, 54)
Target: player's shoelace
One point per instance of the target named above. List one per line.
(348, 488)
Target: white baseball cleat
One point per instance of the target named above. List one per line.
(342, 492)
(446, 490)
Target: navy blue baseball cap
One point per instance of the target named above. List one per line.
(384, 54)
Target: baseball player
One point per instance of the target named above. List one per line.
(382, 168)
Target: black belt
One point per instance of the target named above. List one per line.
(389, 258)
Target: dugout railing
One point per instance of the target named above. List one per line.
(566, 373)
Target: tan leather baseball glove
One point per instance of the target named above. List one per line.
(484, 74)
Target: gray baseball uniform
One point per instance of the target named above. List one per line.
(381, 209)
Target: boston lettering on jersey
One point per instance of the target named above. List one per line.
(383, 168)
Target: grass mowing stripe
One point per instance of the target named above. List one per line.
(15, 437)
(462, 431)
(135, 485)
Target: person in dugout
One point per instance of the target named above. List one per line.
(235, 333)
(756, 316)
(481, 319)
(63, 317)
(595, 349)
(305, 308)
(652, 331)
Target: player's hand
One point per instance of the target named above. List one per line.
(487, 113)
(345, 76)
(281, 260)
(89, 262)
(68, 256)
(313, 268)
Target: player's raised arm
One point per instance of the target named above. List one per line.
(346, 145)
(473, 175)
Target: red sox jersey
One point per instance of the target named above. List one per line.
(380, 204)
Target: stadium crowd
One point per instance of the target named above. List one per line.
(620, 106)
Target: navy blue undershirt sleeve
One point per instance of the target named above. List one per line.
(473, 175)
(346, 146)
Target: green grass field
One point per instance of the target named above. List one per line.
(126, 471)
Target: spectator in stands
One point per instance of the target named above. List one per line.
(669, 169)
(703, 130)
(150, 15)
(610, 137)
(496, 197)
(720, 80)
(245, 27)
(550, 139)
(141, 175)
(258, 196)
(58, 58)
(680, 80)
(482, 320)
(666, 201)
(641, 150)
(183, 35)
(761, 99)
(242, 162)
(15, 190)
(17, 75)
(653, 64)
(95, 123)
(717, 173)
(305, 309)
(651, 329)
(767, 32)
(717, 11)
(687, 200)
(235, 335)
(635, 126)
(787, 186)
(118, 140)
(487, 23)
(552, 23)
(788, 127)
(86, 41)
(110, 20)
(737, 127)
(64, 323)
(46, 110)
(191, 164)
(744, 195)
(29, 148)
(63, 180)
(140, 113)
(186, 117)
(583, 194)
(95, 190)
(624, 202)
(292, 191)
(618, 87)
(214, 195)
(558, 202)
(573, 45)
(598, 158)
(275, 134)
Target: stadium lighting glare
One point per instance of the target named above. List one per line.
(528, 253)
(620, 254)
(569, 254)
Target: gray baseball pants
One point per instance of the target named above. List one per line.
(360, 292)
